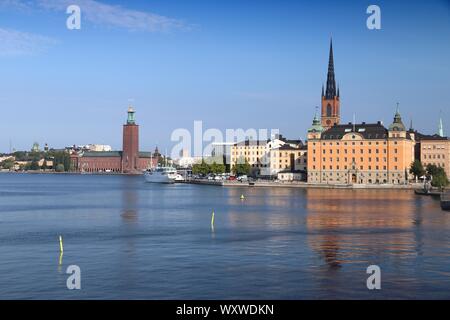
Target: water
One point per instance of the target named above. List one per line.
(134, 240)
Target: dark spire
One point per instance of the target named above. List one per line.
(323, 91)
(331, 81)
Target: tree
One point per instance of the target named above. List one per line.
(7, 164)
(417, 169)
(201, 168)
(61, 157)
(34, 165)
(59, 167)
(432, 170)
(440, 180)
(439, 176)
(217, 168)
(241, 168)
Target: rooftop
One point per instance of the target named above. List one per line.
(367, 130)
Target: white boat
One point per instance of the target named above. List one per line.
(179, 178)
(161, 175)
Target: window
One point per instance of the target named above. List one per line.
(329, 110)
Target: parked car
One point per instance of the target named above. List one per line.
(232, 178)
(243, 178)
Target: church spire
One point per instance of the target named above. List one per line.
(331, 81)
(441, 127)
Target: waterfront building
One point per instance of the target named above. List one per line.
(435, 150)
(269, 157)
(254, 152)
(289, 158)
(129, 160)
(360, 153)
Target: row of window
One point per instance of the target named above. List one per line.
(361, 151)
(435, 147)
(434, 156)
(354, 159)
(362, 143)
(345, 167)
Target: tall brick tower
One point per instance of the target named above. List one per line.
(130, 155)
(331, 112)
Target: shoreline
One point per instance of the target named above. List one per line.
(303, 185)
(256, 184)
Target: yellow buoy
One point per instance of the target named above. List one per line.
(242, 197)
(212, 220)
(60, 257)
(61, 248)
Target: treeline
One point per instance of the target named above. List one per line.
(204, 168)
(431, 171)
(238, 169)
(60, 159)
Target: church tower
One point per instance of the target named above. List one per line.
(130, 155)
(331, 112)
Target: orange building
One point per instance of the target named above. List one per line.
(360, 153)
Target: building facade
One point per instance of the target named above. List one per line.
(129, 161)
(360, 153)
(269, 157)
(435, 150)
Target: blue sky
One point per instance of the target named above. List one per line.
(232, 64)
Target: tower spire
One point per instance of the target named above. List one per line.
(441, 127)
(331, 81)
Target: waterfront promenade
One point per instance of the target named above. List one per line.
(303, 185)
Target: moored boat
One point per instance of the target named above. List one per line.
(161, 175)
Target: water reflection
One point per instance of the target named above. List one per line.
(351, 226)
(130, 201)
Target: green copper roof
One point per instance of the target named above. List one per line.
(397, 125)
(316, 125)
(131, 116)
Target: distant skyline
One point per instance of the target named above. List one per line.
(231, 64)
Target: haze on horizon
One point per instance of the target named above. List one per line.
(231, 64)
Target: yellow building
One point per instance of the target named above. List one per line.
(252, 151)
(360, 153)
(435, 150)
(287, 158)
(268, 158)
